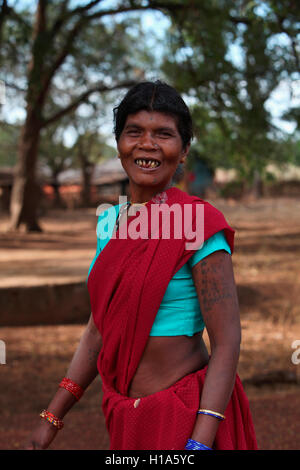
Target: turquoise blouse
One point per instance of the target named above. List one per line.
(179, 312)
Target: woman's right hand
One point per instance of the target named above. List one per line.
(41, 437)
(83, 370)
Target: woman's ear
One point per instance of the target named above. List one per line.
(184, 153)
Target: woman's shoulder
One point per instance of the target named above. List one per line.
(210, 211)
(214, 219)
(178, 195)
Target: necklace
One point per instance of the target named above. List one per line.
(124, 209)
(158, 198)
(137, 203)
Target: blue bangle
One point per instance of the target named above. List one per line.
(195, 445)
(211, 413)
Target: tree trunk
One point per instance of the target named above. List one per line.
(26, 192)
(257, 186)
(57, 201)
(87, 170)
(86, 189)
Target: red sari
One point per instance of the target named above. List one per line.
(126, 286)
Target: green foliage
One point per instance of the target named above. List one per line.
(228, 58)
(9, 136)
(58, 157)
(53, 153)
(62, 62)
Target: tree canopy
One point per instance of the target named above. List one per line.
(226, 57)
(229, 58)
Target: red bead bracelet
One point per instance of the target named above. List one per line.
(58, 423)
(72, 387)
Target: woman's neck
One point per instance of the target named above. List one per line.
(141, 195)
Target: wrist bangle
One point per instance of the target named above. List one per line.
(58, 423)
(211, 413)
(195, 445)
(72, 387)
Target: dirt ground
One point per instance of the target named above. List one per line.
(267, 273)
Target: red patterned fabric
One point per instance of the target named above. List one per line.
(165, 419)
(126, 286)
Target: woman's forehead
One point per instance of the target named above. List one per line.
(157, 118)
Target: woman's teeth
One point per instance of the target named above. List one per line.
(147, 163)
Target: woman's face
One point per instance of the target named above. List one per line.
(150, 148)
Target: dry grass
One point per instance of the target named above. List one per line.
(267, 272)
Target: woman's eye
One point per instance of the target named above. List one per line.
(164, 134)
(133, 132)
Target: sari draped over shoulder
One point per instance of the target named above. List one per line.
(126, 286)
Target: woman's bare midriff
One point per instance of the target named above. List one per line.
(166, 360)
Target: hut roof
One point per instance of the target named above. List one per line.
(109, 171)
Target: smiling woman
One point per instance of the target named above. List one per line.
(151, 299)
(153, 130)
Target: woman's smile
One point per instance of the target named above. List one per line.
(148, 164)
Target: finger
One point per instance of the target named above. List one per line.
(33, 446)
(37, 446)
(29, 446)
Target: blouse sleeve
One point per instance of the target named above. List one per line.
(214, 243)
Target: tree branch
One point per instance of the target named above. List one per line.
(65, 15)
(14, 86)
(83, 97)
(84, 19)
(62, 56)
(20, 19)
(84, 8)
(280, 21)
(4, 12)
(149, 6)
(240, 19)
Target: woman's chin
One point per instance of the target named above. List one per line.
(145, 180)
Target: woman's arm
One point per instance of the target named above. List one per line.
(82, 370)
(215, 285)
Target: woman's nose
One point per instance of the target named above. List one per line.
(147, 141)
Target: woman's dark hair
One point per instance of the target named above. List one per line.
(155, 96)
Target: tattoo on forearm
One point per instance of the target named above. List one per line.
(93, 355)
